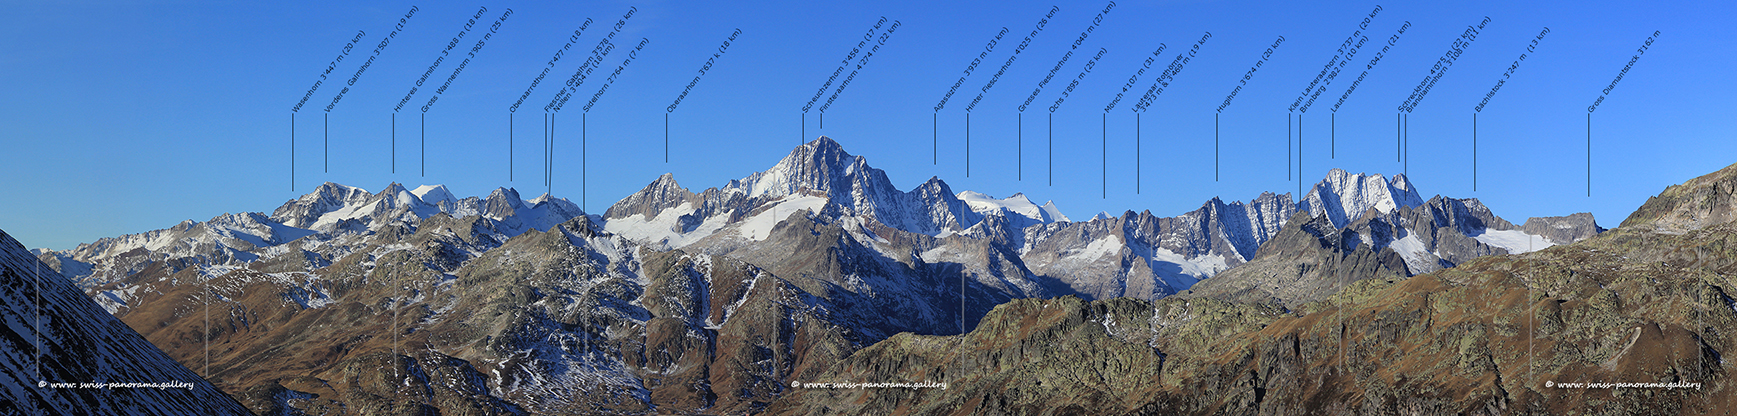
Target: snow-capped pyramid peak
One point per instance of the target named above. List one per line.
(1054, 213)
(1343, 194)
(820, 165)
(663, 193)
(819, 176)
(435, 195)
(1407, 195)
(502, 203)
(398, 197)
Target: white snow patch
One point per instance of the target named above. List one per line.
(1190, 271)
(933, 254)
(114, 300)
(1017, 204)
(1515, 241)
(664, 229)
(1099, 248)
(759, 227)
(1412, 250)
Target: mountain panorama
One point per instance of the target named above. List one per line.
(410, 301)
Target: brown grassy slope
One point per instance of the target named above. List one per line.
(1497, 335)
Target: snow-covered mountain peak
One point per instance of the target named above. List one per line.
(396, 196)
(333, 206)
(546, 200)
(1401, 183)
(435, 195)
(1343, 195)
(336, 191)
(1050, 209)
(820, 165)
(327, 197)
(540, 199)
(1017, 204)
(661, 194)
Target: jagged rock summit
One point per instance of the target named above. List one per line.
(816, 174)
(1344, 196)
(1356, 227)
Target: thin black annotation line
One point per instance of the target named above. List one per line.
(538, 80)
(1243, 82)
(1126, 86)
(317, 83)
(1506, 75)
(686, 90)
(510, 147)
(972, 66)
(866, 37)
(1606, 93)
(1019, 161)
(598, 53)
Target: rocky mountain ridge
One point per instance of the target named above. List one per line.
(1544, 332)
(673, 301)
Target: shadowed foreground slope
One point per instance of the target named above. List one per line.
(82, 343)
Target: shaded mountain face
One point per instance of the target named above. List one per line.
(1563, 229)
(1648, 302)
(79, 342)
(1308, 261)
(1145, 256)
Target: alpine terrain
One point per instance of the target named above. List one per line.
(61, 354)
(1636, 320)
(414, 301)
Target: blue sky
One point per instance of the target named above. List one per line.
(125, 117)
